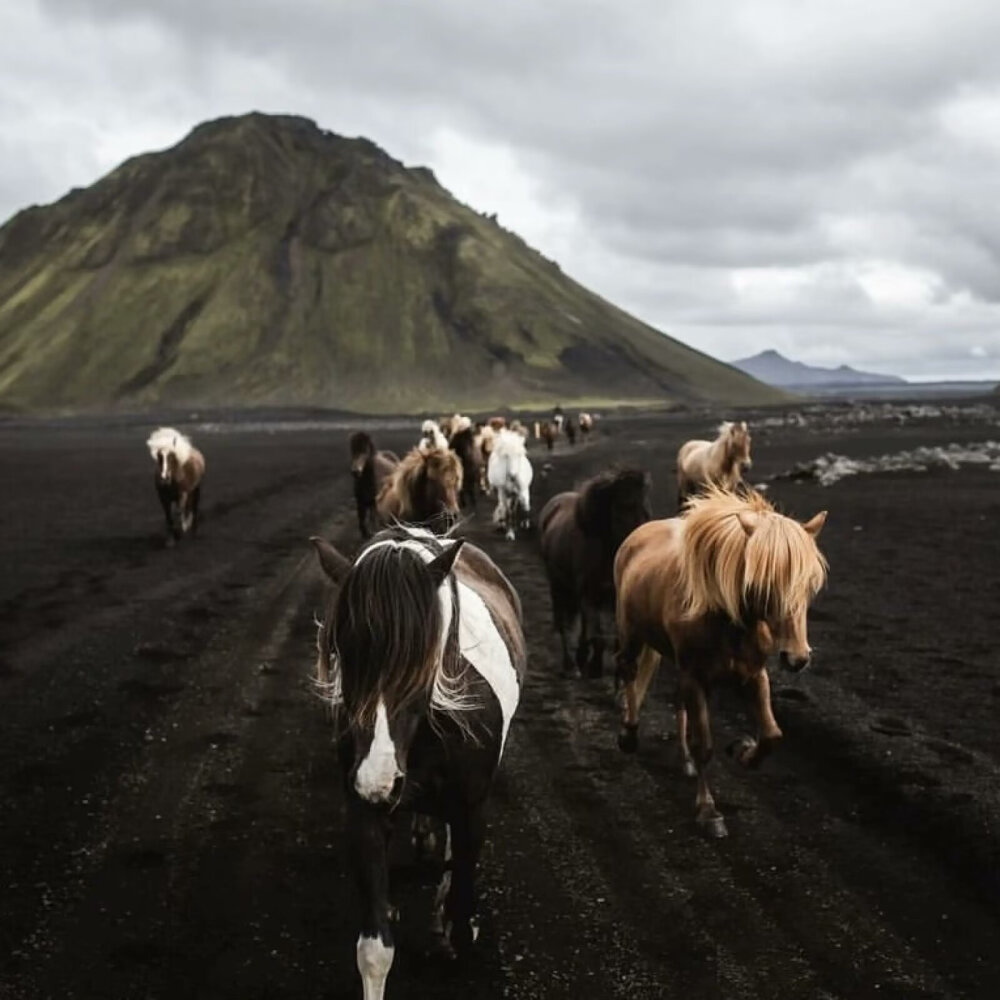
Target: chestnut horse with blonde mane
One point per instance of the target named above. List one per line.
(180, 468)
(713, 463)
(422, 489)
(717, 589)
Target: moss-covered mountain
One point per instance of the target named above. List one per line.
(265, 261)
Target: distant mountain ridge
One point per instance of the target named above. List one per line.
(264, 261)
(777, 370)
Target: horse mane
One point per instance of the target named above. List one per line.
(440, 465)
(597, 496)
(172, 441)
(386, 638)
(771, 572)
(509, 444)
(385, 633)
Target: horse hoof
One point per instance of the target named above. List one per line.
(628, 738)
(595, 669)
(713, 827)
(509, 535)
(464, 934)
(687, 766)
(744, 750)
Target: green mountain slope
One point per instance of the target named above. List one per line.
(265, 261)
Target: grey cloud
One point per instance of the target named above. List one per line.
(689, 145)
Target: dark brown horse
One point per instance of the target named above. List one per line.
(463, 443)
(370, 469)
(423, 489)
(180, 468)
(421, 655)
(580, 533)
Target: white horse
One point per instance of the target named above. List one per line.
(431, 438)
(509, 472)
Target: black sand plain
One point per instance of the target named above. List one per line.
(170, 812)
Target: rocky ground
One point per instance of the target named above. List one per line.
(172, 819)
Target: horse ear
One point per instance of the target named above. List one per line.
(440, 566)
(815, 524)
(334, 565)
(748, 521)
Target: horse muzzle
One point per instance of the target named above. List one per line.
(794, 664)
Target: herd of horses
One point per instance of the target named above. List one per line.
(422, 652)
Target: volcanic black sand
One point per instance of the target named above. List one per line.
(170, 813)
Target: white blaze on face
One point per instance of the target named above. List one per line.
(378, 772)
(374, 963)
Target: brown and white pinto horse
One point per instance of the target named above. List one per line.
(370, 469)
(422, 489)
(713, 463)
(717, 589)
(180, 468)
(422, 655)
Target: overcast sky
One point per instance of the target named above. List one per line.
(822, 178)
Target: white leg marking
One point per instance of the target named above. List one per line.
(374, 963)
(378, 771)
(444, 887)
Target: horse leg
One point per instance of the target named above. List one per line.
(184, 509)
(595, 665)
(687, 761)
(563, 615)
(369, 836)
(583, 641)
(706, 815)
(468, 830)
(422, 836)
(195, 504)
(626, 670)
(167, 504)
(748, 751)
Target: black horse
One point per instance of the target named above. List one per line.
(580, 533)
(370, 469)
(463, 444)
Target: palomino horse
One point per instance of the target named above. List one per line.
(717, 463)
(483, 442)
(370, 469)
(510, 473)
(718, 589)
(180, 468)
(422, 655)
(586, 423)
(580, 533)
(422, 489)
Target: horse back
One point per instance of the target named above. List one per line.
(647, 576)
(476, 570)
(385, 463)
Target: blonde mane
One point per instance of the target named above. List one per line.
(442, 465)
(170, 441)
(741, 556)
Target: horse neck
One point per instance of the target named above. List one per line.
(724, 454)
